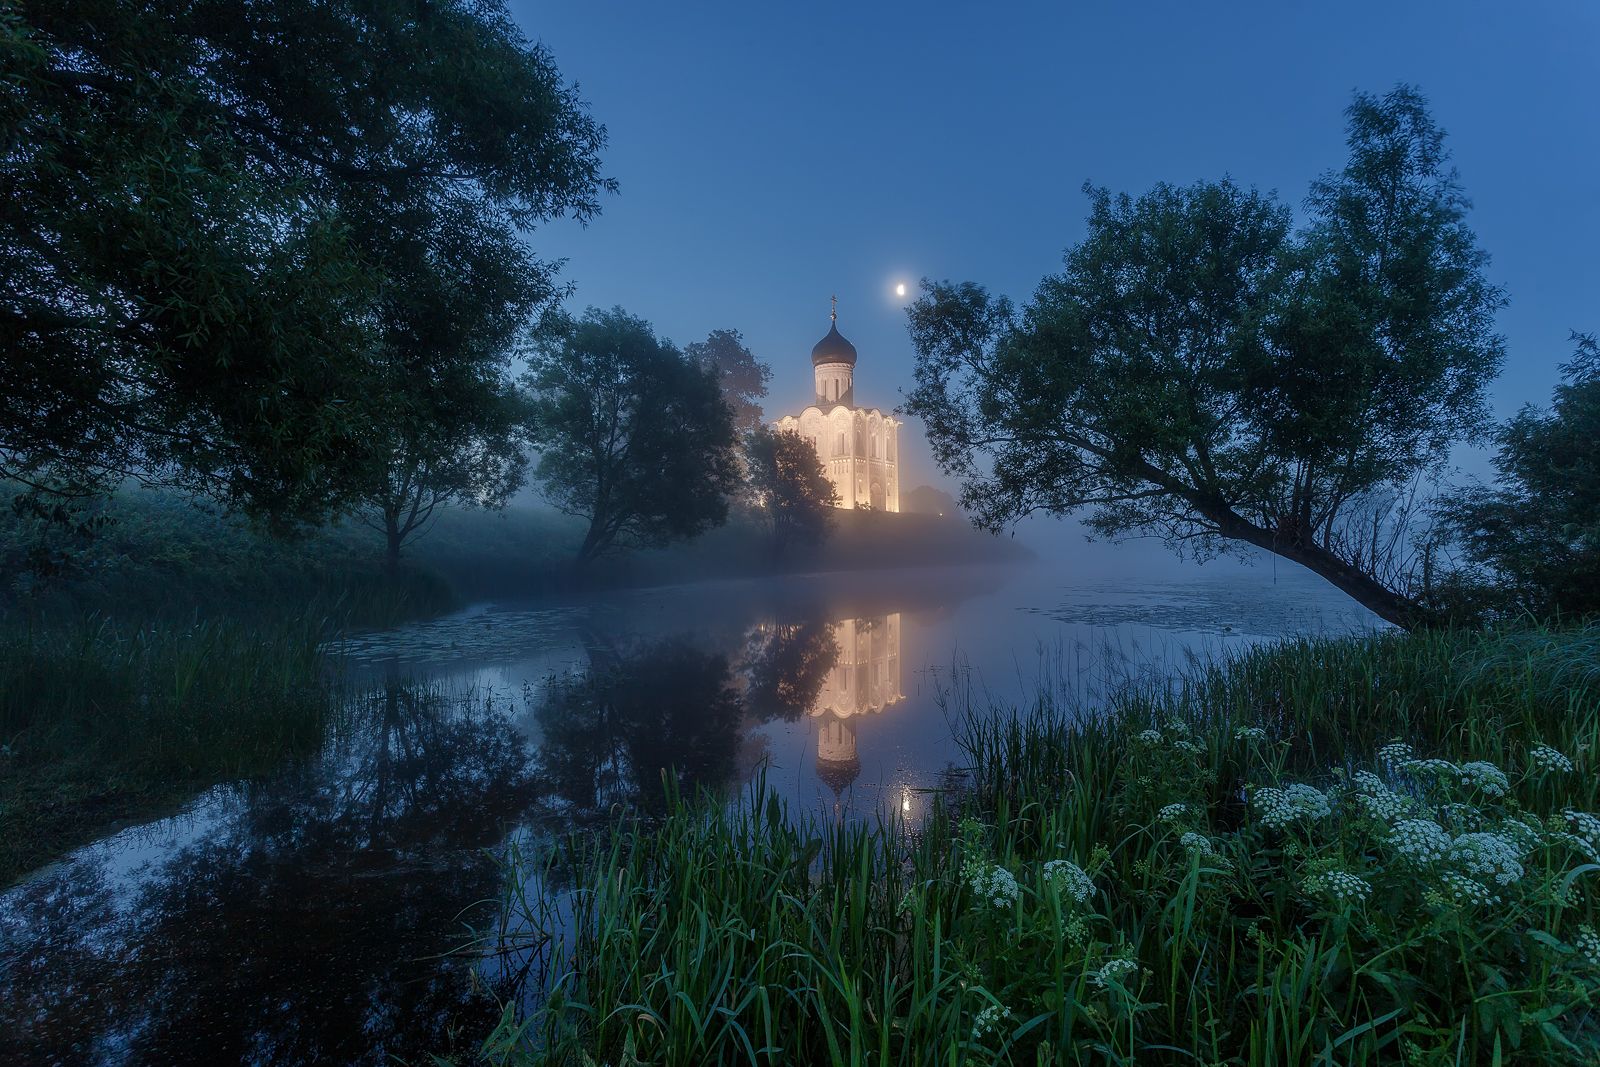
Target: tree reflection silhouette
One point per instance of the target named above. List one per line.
(308, 929)
(786, 664)
(609, 736)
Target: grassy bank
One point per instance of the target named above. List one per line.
(1357, 852)
(102, 722)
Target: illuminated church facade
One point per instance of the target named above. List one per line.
(859, 447)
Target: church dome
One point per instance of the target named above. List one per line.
(833, 349)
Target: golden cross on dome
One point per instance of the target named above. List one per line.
(834, 314)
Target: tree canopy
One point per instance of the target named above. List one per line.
(1205, 371)
(788, 488)
(227, 224)
(743, 377)
(634, 436)
(1536, 533)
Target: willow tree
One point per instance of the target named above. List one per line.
(1207, 371)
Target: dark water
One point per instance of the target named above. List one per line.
(311, 918)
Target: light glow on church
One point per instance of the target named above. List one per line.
(859, 447)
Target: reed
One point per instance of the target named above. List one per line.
(1353, 852)
(100, 722)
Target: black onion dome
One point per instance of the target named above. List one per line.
(833, 349)
(838, 774)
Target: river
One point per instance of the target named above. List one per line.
(310, 917)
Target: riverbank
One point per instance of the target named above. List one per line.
(1366, 851)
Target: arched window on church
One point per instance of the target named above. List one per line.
(839, 448)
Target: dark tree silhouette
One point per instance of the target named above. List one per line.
(788, 488)
(743, 378)
(786, 664)
(1203, 372)
(1536, 534)
(635, 436)
(227, 224)
(667, 709)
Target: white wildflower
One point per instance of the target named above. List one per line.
(1376, 799)
(1280, 807)
(1188, 746)
(1464, 890)
(1149, 737)
(1525, 834)
(1114, 971)
(1588, 945)
(1429, 766)
(1420, 840)
(989, 1021)
(1177, 726)
(1172, 812)
(1070, 879)
(1395, 754)
(1484, 777)
(992, 884)
(1196, 842)
(1547, 759)
(1584, 825)
(1249, 733)
(1488, 857)
(1342, 886)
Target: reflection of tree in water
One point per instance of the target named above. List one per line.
(608, 736)
(786, 664)
(306, 930)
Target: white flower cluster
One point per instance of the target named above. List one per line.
(1342, 886)
(1394, 754)
(1548, 759)
(1249, 733)
(1420, 840)
(1172, 812)
(1584, 825)
(1114, 971)
(1464, 890)
(1280, 807)
(1070, 879)
(1489, 857)
(1429, 766)
(1588, 945)
(1585, 835)
(989, 1020)
(1484, 777)
(1188, 746)
(1196, 842)
(1376, 799)
(1149, 737)
(992, 884)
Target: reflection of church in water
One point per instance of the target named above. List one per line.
(864, 680)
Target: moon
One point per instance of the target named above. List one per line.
(900, 289)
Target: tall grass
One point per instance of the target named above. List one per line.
(1224, 873)
(100, 720)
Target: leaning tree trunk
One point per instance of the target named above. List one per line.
(1360, 586)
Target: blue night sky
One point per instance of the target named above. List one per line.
(770, 155)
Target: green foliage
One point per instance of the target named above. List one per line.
(1219, 873)
(743, 377)
(789, 489)
(1203, 371)
(235, 232)
(635, 436)
(1535, 535)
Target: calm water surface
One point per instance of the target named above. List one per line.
(308, 919)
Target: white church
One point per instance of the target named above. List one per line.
(859, 447)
